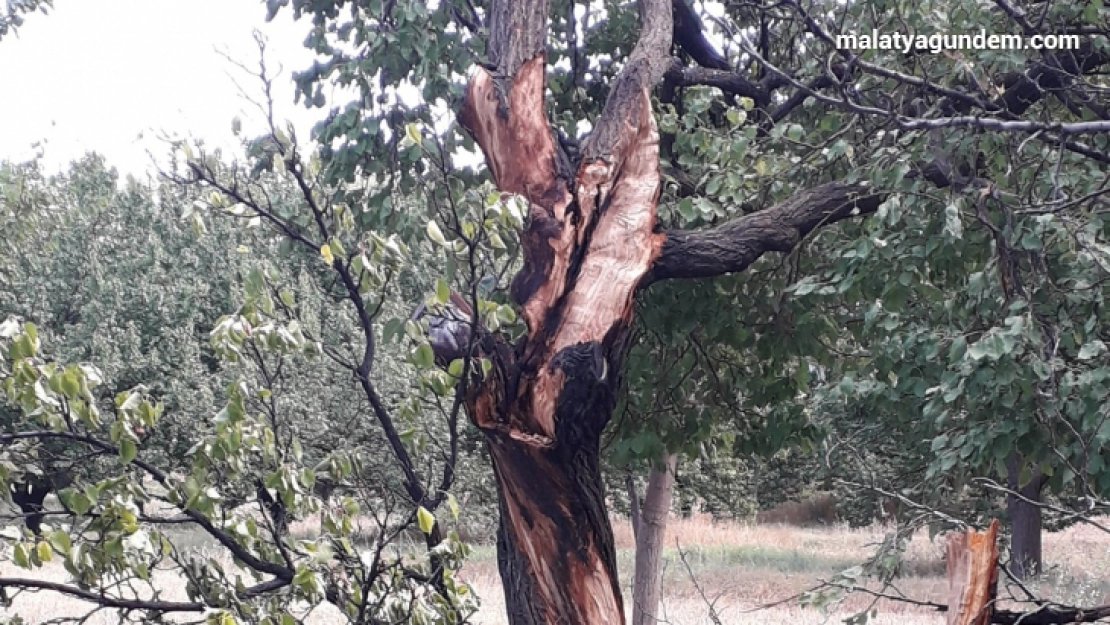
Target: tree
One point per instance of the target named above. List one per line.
(754, 150)
(111, 276)
(592, 241)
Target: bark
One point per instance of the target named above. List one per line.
(689, 35)
(589, 240)
(633, 505)
(1026, 556)
(275, 510)
(30, 497)
(735, 245)
(647, 584)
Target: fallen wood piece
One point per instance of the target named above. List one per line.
(972, 576)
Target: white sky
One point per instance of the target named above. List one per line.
(94, 75)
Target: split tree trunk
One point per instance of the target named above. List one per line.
(972, 564)
(646, 585)
(589, 243)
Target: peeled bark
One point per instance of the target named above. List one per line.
(588, 242)
(646, 584)
(972, 564)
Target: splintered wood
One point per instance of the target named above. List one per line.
(972, 576)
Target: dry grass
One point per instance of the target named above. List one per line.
(737, 567)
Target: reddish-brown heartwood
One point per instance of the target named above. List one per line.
(972, 576)
(591, 240)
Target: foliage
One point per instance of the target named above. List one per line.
(11, 17)
(953, 341)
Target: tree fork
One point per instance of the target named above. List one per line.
(589, 239)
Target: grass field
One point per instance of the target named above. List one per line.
(737, 568)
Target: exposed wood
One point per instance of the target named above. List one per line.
(588, 241)
(555, 545)
(521, 154)
(972, 576)
(735, 245)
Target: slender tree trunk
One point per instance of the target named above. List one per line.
(1026, 556)
(647, 584)
(633, 505)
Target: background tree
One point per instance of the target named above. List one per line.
(253, 463)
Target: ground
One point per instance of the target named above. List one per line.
(738, 568)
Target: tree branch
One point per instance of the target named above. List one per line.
(735, 245)
(222, 537)
(689, 35)
(1051, 615)
(130, 604)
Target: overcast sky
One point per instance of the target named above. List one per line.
(94, 75)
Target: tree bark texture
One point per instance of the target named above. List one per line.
(589, 243)
(633, 505)
(1026, 555)
(647, 582)
(589, 240)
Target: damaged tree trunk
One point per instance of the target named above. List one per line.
(590, 239)
(589, 243)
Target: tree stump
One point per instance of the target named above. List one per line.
(972, 576)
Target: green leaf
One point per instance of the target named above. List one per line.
(456, 367)
(958, 349)
(44, 552)
(22, 558)
(1092, 349)
(1091, 11)
(453, 505)
(506, 314)
(71, 386)
(325, 251)
(426, 520)
(127, 451)
(60, 540)
(443, 291)
(435, 234)
(424, 357)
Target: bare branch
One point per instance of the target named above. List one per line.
(735, 245)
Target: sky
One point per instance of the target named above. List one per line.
(96, 75)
